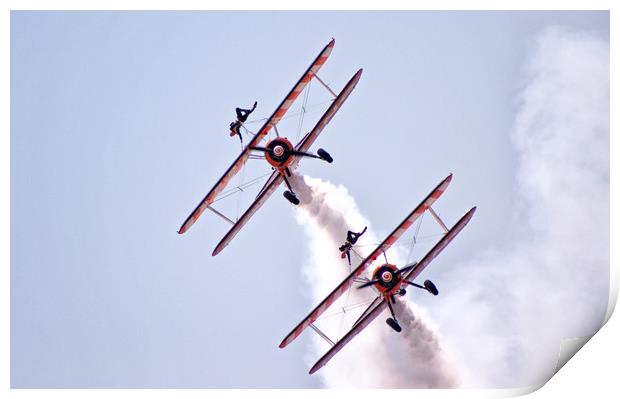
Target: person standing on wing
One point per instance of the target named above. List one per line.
(352, 238)
(242, 116)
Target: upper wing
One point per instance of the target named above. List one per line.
(258, 202)
(272, 121)
(363, 322)
(384, 246)
(307, 141)
(445, 240)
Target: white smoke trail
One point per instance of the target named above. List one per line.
(378, 357)
(553, 284)
(505, 314)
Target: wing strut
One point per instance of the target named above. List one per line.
(438, 220)
(218, 213)
(324, 85)
(321, 334)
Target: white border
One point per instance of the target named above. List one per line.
(591, 372)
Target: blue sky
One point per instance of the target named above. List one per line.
(119, 127)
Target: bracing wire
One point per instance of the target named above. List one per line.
(314, 107)
(419, 239)
(234, 190)
(241, 179)
(344, 309)
(414, 240)
(303, 110)
(248, 131)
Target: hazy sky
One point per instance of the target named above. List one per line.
(119, 127)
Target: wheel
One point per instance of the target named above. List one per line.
(402, 292)
(325, 155)
(291, 197)
(430, 287)
(394, 324)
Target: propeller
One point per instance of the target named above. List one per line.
(272, 153)
(369, 283)
(406, 268)
(291, 152)
(396, 274)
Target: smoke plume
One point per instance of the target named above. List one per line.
(507, 314)
(522, 304)
(378, 357)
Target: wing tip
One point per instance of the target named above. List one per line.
(287, 340)
(315, 368)
(358, 75)
(468, 215)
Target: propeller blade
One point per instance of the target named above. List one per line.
(369, 283)
(263, 149)
(407, 268)
(303, 154)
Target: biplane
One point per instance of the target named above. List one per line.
(387, 279)
(278, 152)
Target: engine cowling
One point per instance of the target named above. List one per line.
(386, 276)
(279, 154)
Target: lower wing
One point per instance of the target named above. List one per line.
(258, 202)
(357, 328)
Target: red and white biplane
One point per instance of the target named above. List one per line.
(279, 152)
(388, 280)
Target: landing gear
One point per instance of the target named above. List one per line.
(289, 194)
(430, 287)
(291, 197)
(391, 321)
(394, 324)
(324, 155)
